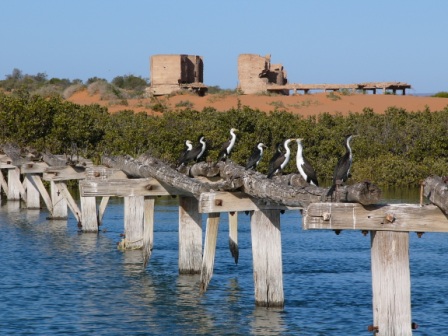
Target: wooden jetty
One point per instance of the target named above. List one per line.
(373, 87)
(200, 191)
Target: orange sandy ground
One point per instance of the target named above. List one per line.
(310, 104)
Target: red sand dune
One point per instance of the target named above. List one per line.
(310, 104)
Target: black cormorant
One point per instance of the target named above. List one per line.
(196, 153)
(256, 156)
(342, 169)
(278, 152)
(181, 159)
(281, 161)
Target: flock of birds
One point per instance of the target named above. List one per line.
(278, 161)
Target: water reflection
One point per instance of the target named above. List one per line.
(267, 321)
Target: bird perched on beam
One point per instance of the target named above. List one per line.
(256, 156)
(303, 165)
(342, 169)
(282, 160)
(194, 154)
(181, 159)
(227, 146)
(278, 152)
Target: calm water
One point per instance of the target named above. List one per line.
(57, 281)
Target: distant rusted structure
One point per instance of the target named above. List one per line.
(256, 74)
(171, 73)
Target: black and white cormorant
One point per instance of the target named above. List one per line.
(195, 153)
(181, 159)
(342, 169)
(256, 156)
(278, 152)
(303, 165)
(227, 146)
(282, 160)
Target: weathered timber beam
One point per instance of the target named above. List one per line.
(167, 176)
(221, 201)
(64, 173)
(283, 190)
(33, 168)
(386, 217)
(436, 190)
(124, 188)
(64, 160)
(291, 190)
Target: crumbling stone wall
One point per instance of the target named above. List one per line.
(256, 73)
(169, 72)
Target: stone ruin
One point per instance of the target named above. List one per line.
(256, 74)
(171, 73)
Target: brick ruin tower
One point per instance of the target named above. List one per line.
(256, 74)
(171, 73)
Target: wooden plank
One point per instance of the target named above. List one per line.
(267, 258)
(123, 188)
(104, 173)
(387, 217)
(33, 168)
(391, 283)
(213, 202)
(64, 173)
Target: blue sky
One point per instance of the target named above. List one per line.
(325, 41)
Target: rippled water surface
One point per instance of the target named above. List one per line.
(55, 280)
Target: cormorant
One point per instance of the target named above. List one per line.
(195, 153)
(304, 167)
(227, 146)
(256, 156)
(281, 161)
(278, 152)
(181, 159)
(342, 169)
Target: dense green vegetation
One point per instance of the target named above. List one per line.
(394, 148)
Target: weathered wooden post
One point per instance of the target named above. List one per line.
(233, 235)
(190, 236)
(88, 214)
(267, 258)
(133, 222)
(148, 229)
(391, 283)
(208, 261)
(60, 210)
(32, 192)
(15, 188)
